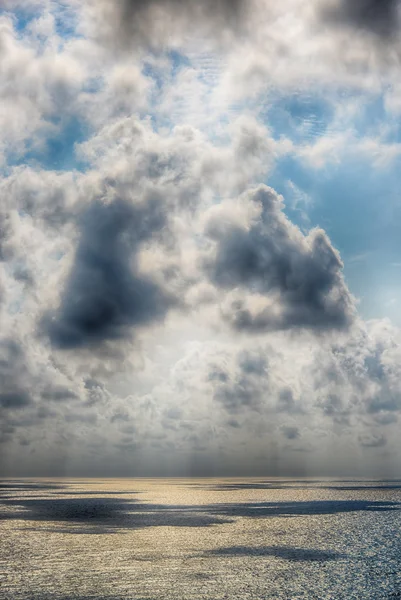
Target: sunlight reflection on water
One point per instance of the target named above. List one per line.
(198, 539)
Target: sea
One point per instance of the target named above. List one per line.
(195, 539)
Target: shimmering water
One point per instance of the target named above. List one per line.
(199, 539)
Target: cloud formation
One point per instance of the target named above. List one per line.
(380, 17)
(105, 294)
(284, 279)
(14, 392)
(154, 23)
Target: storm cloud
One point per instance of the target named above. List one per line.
(105, 295)
(380, 17)
(14, 376)
(242, 388)
(281, 279)
(155, 22)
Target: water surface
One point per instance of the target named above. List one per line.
(199, 539)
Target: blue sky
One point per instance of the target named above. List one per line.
(355, 200)
(351, 197)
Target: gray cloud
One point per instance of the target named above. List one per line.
(211, 9)
(269, 259)
(15, 399)
(58, 393)
(13, 376)
(372, 440)
(381, 17)
(105, 294)
(286, 402)
(5, 230)
(332, 406)
(154, 22)
(291, 433)
(244, 388)
(253, 363)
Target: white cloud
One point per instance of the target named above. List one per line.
(160, 303)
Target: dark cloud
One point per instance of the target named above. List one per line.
(387, 402)
(120, 416)
(5, 232)
(105, 294)
(299, 276)
(286, 402)
(58, 393)
(23, 275)
(333, 406)
(359, 376)
(372, 440)
(15, 399)
(154, 22)
(291, 433)
(13, 376)
(88, 419)
(174, 413)
(380, 17)
(218, 374)
(211, 9)
(244, 389)
(239, 396)
(253, 363)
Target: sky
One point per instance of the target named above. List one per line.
(200, 250)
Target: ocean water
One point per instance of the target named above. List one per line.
(199, 539)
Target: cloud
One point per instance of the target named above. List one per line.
(243, 388)
(58, 393)
(375, 440)
(105, 295)
(14, 376)
(206, 332)
(12, 400)
(39, 83)
(280, 278)
(291, 433)
(380, 17)
(5, 232)
(230, 403)
(130, 23)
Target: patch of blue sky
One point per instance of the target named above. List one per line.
(304, 118)
(300, 117)
(376, 283)
(64, 19)
(356, 200)
(178, 61)
(372, 117)
(357, 204)
(161, 78)
(158, 77)
(57, 152)
(204, 69)
(22, 17)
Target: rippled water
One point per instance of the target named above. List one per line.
(197, 539)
